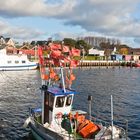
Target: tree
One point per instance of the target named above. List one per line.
(107, 53)
(81, 44)
(33, 43)
(57, 41)
(124, 49)
(69, 42)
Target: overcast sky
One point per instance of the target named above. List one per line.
(40, 19)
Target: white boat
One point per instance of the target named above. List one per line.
(56, 120)
(10, 62)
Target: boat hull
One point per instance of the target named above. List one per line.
(19, 67)
(13, 62)
(137, 65)
(41, 133)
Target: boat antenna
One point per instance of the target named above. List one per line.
(62, 78)
(89, 107)
(112, 115)
(126, 131)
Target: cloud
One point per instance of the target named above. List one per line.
(107, 17)
(8, 30)
(61, 35)
(130, 41)
(18, 8)
(137, 40)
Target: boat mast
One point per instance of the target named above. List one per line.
(56, 57)
(62, 78)
(36, 53)
(112, 115)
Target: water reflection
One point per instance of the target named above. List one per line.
(20, 90)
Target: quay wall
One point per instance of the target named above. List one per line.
(90, 63)
(86, 63)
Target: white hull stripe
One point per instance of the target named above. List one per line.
(19, 66)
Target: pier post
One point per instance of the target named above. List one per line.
(90, 64)
(107, 64)
(119, 64)
(99, 61)
(90, 100)
(126, 131)
(112, 136)
(113, 64)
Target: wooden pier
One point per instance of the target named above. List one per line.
(102, 63)
(88, 63)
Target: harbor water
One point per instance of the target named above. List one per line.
(20, 91)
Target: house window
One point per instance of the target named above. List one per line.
(132, 58)
(9, 62)
(69, 100)
(123, 57)
(16, 62)
(60, 101)
(23, 61)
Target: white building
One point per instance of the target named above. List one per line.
(96, 52)
(9, 42)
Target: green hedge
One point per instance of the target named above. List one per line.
(93, 58)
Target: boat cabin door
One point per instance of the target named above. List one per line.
(47, 107)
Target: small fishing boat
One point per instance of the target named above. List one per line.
(56, 120)
(15, 62)
(137, 64)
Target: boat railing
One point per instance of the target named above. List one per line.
(107, 124)
(36, 112)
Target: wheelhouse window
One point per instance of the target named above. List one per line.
(51, 100)
(16, 62)
(69, 100)
(23, 61)
(9, 62)
(60, 101)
